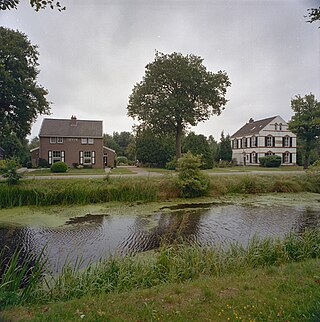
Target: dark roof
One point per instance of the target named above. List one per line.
(71, 128)
(253, 127)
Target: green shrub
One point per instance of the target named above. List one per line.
(171, 165)
(43, 163)
(8, 168)
(191, 181)
(122, 160)
(270, 161)
(59, 167)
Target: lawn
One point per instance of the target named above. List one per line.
(47, 172)
(121, 170)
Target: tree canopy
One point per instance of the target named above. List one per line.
(36, 4)
(313, 14)
(305, 123)
(177, 91)
(21, 98)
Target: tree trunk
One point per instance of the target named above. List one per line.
(178, 141)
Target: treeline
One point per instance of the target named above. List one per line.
(154, 150)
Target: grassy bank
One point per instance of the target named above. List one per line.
(145, 189)
(181, 282)
(289, 292)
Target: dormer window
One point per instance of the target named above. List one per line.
(280, 127)
(276, 126)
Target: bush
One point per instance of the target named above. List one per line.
(8, 168)
(191, 181)
(43, 163)
(270, 161)
(59, 167)
(171, 165)
(122, 160)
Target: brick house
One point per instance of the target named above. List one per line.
(73, 141)
(260, 138)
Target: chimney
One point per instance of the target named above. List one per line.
(73, 121)
(251, 120)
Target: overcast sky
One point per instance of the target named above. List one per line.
(92, 54)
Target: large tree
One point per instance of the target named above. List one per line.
(22, 99)
(225, 149)
(36, 4)
(306, 123)
(313, 14)
(175, 92)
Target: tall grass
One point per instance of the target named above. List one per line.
(64, 192)
(20, 276)
(180, 262)
(85, 191)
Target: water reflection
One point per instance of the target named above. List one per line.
(93, 237)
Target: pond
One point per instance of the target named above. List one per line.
(97, 232)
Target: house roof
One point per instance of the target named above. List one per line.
(71, 128)
(253, 127)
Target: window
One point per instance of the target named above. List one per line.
(253, 142)
(59, 140)
(254, 158)
(90, 141)
(280, 126)
(84, 141)
(244, 142)
(269, 141)
(286, 157)
(53, 140)
(286, 141)
(269, 153)
(87, 157)
(55, 156)
(276, 126)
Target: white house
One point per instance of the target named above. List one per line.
(257, 139)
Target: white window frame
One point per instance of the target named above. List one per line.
(253, 141)
(59, 140)
(286, 141)
(87, 157)
(286, 157)
(90, 141)
(57, 156)
(84, 141)
(269, 141)
(53, 140)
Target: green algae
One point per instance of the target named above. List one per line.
(55, 216)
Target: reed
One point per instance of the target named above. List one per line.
(20, 276)
(179, 262)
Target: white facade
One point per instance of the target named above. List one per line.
(257, 139)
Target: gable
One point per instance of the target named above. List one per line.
(71, 128)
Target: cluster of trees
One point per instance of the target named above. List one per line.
(159, 150)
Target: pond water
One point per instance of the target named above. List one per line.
(96, 236)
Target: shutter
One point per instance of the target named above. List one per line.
(62, 156)
(248, 142)
(256, 141)
(81, 157)
(273, 141)
(283, 141)
(290, 157)
(291, 142)
(93, 159)
(265, 141)
(250, 158)
(283, 157)
(50, 157)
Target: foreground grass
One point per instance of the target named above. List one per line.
(250, 168)
(289, 292)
